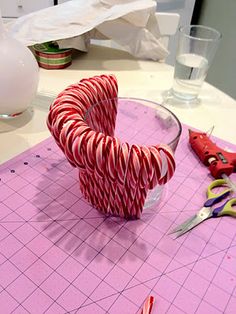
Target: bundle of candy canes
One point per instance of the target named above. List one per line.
(114, 177)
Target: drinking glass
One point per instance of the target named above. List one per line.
(196, 49)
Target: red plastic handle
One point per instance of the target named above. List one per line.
(218, 160)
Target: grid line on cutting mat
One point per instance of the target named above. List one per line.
(123, 261)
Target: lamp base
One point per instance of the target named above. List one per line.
(10, 116)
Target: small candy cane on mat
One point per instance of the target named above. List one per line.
(148, 304)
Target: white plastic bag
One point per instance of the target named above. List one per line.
(130, 23)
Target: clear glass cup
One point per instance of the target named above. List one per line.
(140, 122)
(196, 50)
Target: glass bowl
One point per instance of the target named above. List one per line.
(136, 122)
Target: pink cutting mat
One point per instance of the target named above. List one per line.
(59, 255)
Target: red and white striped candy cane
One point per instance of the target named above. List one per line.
(111, 173)
(142, 184)
(148, 304)
(89, 153)
(123, 192)
(113, 176)
(101, 155)
(77, 146)
(113, 157)
(170, 161)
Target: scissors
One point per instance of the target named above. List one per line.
(207, 210)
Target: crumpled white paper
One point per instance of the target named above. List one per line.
(131, 24)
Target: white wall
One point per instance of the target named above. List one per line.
(222, 16)
(16, 8)
(185, 9)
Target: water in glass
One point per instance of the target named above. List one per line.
(190, 72)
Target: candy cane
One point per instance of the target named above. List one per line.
(114, 177)
(148, 304)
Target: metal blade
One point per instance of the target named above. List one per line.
(229, 182)
(202, 215)
(194, 223)
(183, 225)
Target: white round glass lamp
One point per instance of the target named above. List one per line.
(19, 75)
